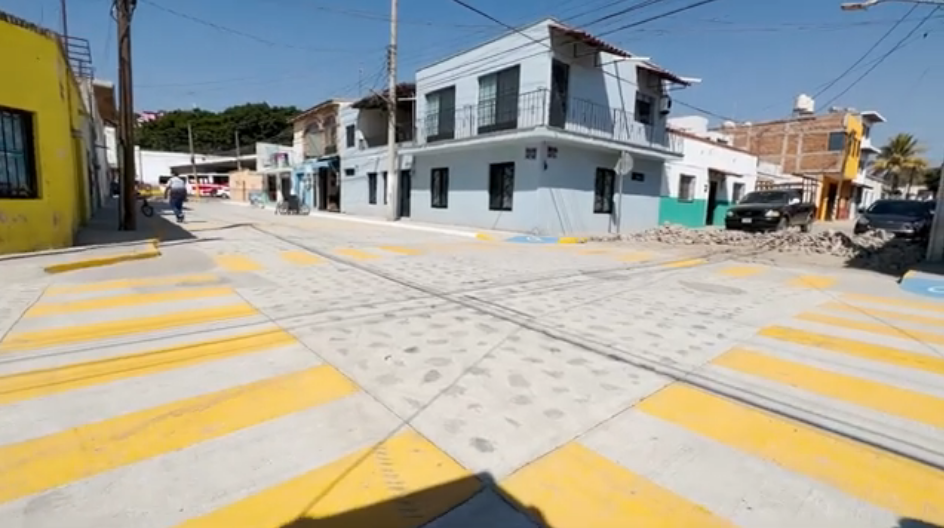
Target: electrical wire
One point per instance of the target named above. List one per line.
(901, 43)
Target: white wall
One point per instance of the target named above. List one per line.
(702, 155)
(152, 164)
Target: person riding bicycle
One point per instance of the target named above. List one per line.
(177, 192)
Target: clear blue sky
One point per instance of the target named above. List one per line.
(754, 56)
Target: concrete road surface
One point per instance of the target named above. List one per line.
(311, 372)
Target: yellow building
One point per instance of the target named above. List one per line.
(42, 167)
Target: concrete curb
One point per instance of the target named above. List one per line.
(529, 239)
(94, 262)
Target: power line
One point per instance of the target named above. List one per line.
(881, 39)
(884, 57)
(658, 17)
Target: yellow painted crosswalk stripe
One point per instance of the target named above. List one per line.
(34, 339)
(402, 483)
(124, 301)
(122, 284)
(573, 487)
(741, 271)
(237, 263)
(866, 393)
(903, 303)
(860, 349)
(44, 463)
(39, 383)
(902, 486)
(817, 282)
(875, 328)
(355, 254)
(402, 250)
(684, 263)
(301, 258)
(885, 314)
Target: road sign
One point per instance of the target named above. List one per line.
(625, 164)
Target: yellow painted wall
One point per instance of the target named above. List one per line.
(854, 131)
(37, 80)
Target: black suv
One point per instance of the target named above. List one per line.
(771, 210)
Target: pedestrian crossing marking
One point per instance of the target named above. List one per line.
(302, 258)
(574, 487)
(123, 284)
(909, 489)
(355, 254)
(855, 348)
(378, 486)
(402, 250)
(885, 314)
(124, 301)
(903, 303)
(817, 282)
(47, 462)
(634, 257)
(45, 382)
(684, 263)
(742, 271)
(35, 339)
(874, 328)
(866, 393)
(237, 263)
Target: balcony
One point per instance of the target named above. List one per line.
(404, 135)
(539, 109)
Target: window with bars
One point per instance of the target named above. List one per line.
(501, 186)
(349, 136)
(603, 191)
(439, 188)
(686, 188)
(372, 187)
(18, 178)
(441, 114)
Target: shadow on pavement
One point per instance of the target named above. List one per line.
(893, 257)
(914, 523)
(927, 267)
(421, 508)
(103, 227)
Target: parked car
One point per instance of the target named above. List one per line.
(771, 210)
(908, 218)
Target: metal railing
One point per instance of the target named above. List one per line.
(540, 108)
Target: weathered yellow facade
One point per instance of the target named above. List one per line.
(40, 89)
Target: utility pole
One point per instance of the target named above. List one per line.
(124, 10)
(936, 238)
(239, 161)
(393, 164)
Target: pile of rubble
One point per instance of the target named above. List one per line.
(877, 250)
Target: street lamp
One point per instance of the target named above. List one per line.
(862, 6)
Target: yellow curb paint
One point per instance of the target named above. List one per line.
(684, 263)
(121, 284)
(37, 465)
(874, 328)
(907, 488)
(818, 282)
(237, 263)
(884, 314)
(741, 271)
(404, 482)
(40, 383)
(35, 339)
(356, 254)
(151, 252)
(125, 301)
(903, 303)
(402, 250)
(860, 349)
(571, 240)
(301, 258)
(904, 403)
(574, 487)
(483, 236)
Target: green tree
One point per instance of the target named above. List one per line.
(932, 179)
(214, 132)
(900, 162)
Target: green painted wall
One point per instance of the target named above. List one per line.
(721, 208)
(689, 214)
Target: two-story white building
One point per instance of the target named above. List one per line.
(523, 133)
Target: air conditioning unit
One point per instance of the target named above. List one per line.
(665, 105)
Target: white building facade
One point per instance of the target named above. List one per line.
(523, 134)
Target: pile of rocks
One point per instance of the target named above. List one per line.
(876, 250)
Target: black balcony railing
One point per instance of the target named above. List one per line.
(539, 108)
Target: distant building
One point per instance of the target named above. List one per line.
(147, 117)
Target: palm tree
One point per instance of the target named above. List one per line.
(900, 162)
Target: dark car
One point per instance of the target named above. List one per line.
(909, 218)
(771, 210)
